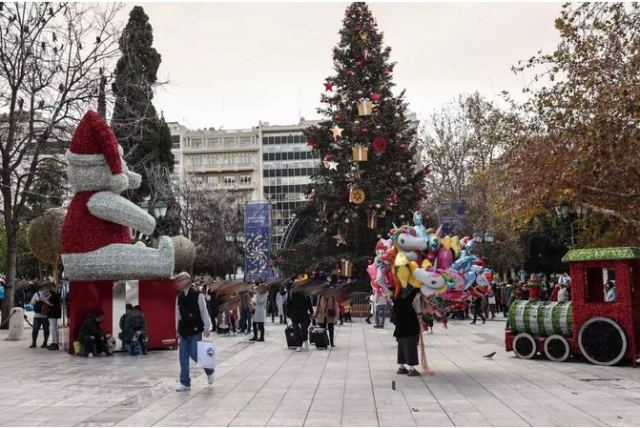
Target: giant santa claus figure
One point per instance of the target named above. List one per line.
(96, 235)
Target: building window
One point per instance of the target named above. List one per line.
(229, 180)
(175, 141)
(245, 179)
(196, 143)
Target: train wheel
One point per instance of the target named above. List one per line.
(602, 341)
(524, 346)
(556, 348)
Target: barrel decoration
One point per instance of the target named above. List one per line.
(540, 318)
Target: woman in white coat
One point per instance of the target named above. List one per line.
(281, 297)
(260, 298)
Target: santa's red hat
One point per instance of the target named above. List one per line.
(94, 142)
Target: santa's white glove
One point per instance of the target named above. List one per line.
(118, 183)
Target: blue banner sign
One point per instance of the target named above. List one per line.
(257, 221)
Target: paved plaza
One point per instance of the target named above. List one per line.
(264, 384)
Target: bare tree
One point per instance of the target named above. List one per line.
(51, 55)
(205, 217)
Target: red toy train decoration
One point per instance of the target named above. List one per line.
(604, 333)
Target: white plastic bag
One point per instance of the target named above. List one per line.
(207, 352)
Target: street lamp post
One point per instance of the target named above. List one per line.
(483, 238)
(235, 237)
(563, 211)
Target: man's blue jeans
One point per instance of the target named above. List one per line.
(380, 315)
(245, 320)
(188, 348)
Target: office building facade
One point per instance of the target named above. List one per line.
(287, 166)
(220, 160)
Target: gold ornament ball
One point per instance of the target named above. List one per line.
(43, 235)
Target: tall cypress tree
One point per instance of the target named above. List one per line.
(145, 138)
(352, 202)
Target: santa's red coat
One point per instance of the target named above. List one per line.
(83, 232)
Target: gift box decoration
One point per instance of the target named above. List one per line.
(346, 268)
(360, 153)
(365, 108)
(372, 220)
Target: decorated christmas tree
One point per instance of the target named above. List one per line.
(370, 176)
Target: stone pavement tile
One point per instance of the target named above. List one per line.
(286, 422)
(438, 419)
(251, 418)
(353, 418)
(468, 418)
(109, 416)
(497, 418)
(322, 421)
(395, 419)
(215, 417)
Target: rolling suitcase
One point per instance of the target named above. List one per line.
(319, 337)
(292, 339)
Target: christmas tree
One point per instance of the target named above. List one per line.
(145, 138)
(370, 175)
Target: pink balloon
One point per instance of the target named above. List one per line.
(445, 258)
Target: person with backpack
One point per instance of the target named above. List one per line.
(54, 313)
(193, 322)
(40, 317)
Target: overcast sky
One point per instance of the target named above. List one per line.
(232, 65)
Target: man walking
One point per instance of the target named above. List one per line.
(193, 322)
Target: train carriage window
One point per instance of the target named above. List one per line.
(600, 285)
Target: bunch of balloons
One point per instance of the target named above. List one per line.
(443, 267)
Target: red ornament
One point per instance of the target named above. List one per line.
(386, 72)
(360, 62)
(328, 158)
(310, 142)
(365, 130)
(339, 117)
(375, 97)
(380, 144)
(328, 86)
(350, 72)
(403, 146)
